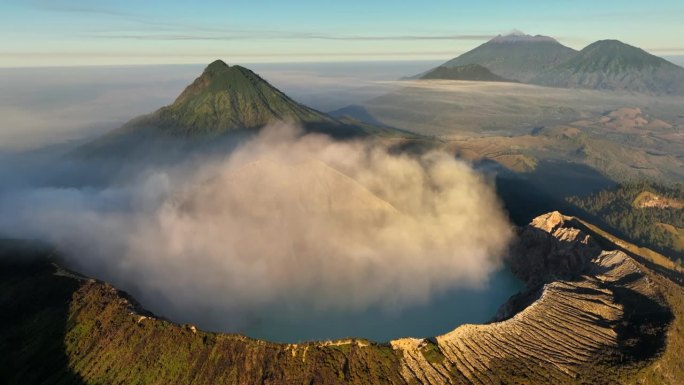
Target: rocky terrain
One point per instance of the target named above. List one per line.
(597, 310)
(648, 199)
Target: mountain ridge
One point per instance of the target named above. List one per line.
(516, 57)
(614, 65)
(603, 65)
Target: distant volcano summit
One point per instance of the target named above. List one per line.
(516, 56)
(520, 37)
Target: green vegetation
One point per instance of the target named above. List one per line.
(222, 107)
(227, 98)
(58, 328)
(645, 213)
(613, 65)
(431, 353)
(613, 56)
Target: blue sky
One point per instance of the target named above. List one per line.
(79, 32)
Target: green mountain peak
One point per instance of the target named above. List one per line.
(216, 66)
(617, 56)
(225, 98)
(614, 65)
(222, 101)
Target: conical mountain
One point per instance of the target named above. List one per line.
(223, 104)
(614, 65)
(227, 98)
(517, 56)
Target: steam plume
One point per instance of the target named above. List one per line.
(287, 219)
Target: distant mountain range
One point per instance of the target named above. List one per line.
(605, 65)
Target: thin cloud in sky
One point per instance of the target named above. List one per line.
(75, 32)
(288, 36)
(57, 6)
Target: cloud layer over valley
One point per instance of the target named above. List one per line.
(292, 219)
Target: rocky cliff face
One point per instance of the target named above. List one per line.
(590, 320)
(595, 315)
(550, 248)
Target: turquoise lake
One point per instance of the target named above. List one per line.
(440, 315)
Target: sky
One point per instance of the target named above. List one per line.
(130, 32)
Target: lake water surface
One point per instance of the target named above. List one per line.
(441, 314)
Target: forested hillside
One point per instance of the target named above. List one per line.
(646, 213)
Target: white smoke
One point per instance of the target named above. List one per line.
(286, 219)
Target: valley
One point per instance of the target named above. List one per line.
(519, 125)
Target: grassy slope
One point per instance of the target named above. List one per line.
(226, 98)
(33, 320)
(677, 235)
(223, 106)
(58, 329)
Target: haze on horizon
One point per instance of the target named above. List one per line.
(75, 32)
